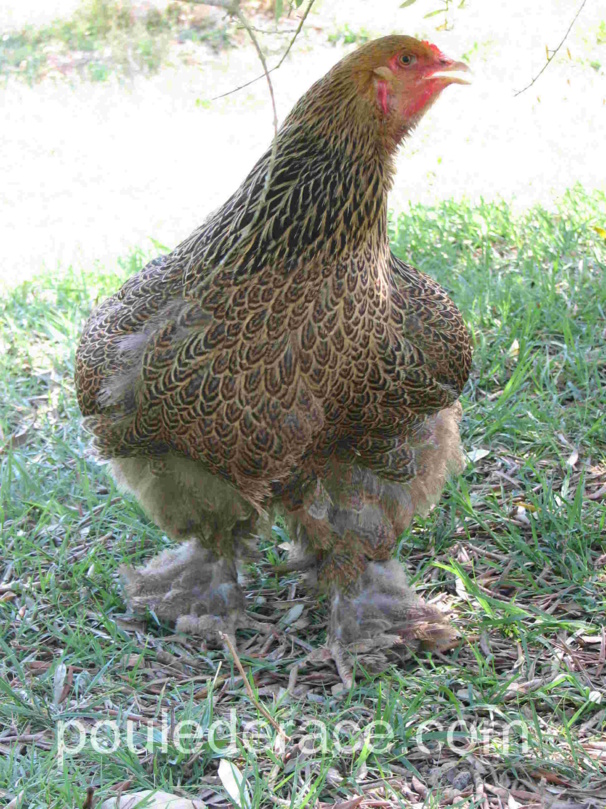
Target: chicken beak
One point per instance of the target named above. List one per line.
(449, 72)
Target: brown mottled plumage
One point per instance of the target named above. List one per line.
(283, 357)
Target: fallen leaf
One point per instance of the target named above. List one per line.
(525, 506)
(521, 516)
(67, 686)
(234, 783)
(131, 660)
(17, 439)
(476, 454)
(17, 802)
(591, 638)
(514, 349)
(151, 799)
(572, 458)
(419, 787)
(292, 615)
(59, 683)
(460, 589)
(351, 804)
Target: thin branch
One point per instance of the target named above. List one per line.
(553, 53)
(228, 5)
(243, 21)
(232, 649)
(274, 146)
(296, 34)
(283, 57)
(242, 86)
(233, 7)
(266, 33)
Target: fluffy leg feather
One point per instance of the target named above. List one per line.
(380, 612)
(349, 526)
(189, 587)
(194, 585)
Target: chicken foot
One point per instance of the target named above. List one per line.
(193, 589)
(379, 614)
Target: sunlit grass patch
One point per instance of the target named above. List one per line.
(105, 38)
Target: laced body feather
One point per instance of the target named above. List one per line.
(282, 339)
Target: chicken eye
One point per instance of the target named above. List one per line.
(407, 59)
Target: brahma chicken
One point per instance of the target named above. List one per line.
(283, 360)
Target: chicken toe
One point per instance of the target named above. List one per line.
(379, 618)
(213, 628)
(190, 587)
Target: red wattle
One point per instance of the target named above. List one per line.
(421, 100)
(383, 96)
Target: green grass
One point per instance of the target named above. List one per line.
(348, 36)
(104, 38)
(517, 549)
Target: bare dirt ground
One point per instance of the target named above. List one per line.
(90, 170)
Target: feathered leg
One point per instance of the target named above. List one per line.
(350, 526)
(378, 612)
(194, 585)
(190, 587)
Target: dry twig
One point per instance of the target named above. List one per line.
(88, 803)
(233, 8)
(282, 58)
(553, 53)
(243, 21)
(232, 649)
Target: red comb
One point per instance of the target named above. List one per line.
(433, 48)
